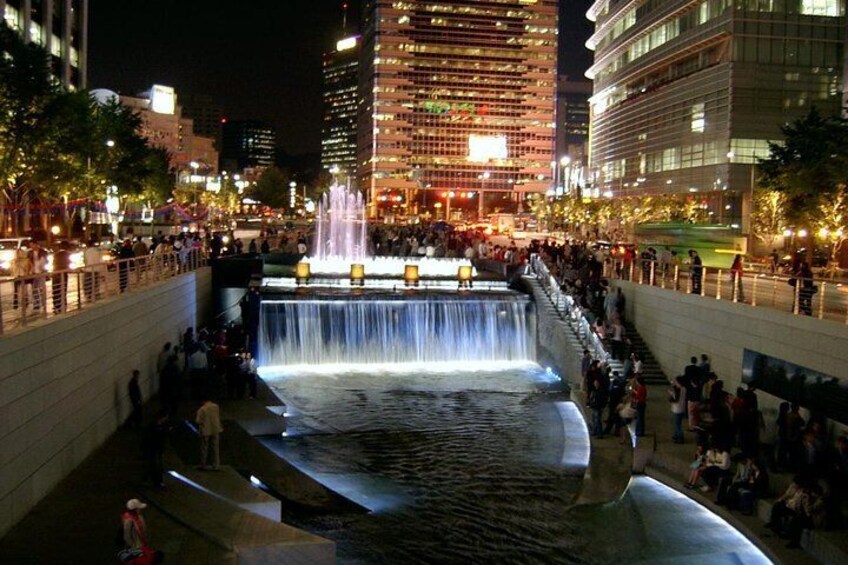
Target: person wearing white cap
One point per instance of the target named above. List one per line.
(135, 528)
(137, 550)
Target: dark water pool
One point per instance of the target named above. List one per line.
(456, 466)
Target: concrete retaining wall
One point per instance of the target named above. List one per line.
(63, 383)
(677, 326)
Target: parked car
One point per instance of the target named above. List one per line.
(8, 248)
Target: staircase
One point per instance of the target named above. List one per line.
(651, 369)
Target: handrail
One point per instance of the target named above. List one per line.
(809, 296)
(568, 310)
(23, 300)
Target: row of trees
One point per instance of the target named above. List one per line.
(803, 184)
(57, 145)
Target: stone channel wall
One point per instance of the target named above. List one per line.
(63, 382)
(676, 326)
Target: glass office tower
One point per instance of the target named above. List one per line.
(457, 105)
(688, 93)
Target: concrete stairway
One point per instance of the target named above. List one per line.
(651, 369)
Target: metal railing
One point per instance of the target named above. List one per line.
(25, 300)
(819, 298)
(568, 310)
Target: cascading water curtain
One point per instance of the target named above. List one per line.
(368, 331)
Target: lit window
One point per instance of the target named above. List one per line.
(698, 120)
(12, 17)
(35, 33)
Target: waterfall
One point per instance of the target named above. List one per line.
(379, 329)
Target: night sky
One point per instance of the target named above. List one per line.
(261, 59)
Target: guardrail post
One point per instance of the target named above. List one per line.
(704, 273)
(631, 270)
(754, 291)
(774, 291)
(718, 285)
(821, 300)
(677, 277)
(797, 294)
(653, 273)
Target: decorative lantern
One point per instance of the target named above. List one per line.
(410, 275)
(357, 274)
(302, 273)
(464, 275)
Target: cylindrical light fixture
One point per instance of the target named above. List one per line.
(302, 273)
(464, 275)
(410, 275)
(357, 274)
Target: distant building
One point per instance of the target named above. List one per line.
(206, 116)
(457, 105)
(341, 81)
(687, 95)
(572, 132)
(163, 125)
(247, 144)
(60, 27)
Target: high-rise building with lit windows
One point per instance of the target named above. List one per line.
(248, 144)
(341, 89)
(687, 93)
(457, 105)
(61, 27)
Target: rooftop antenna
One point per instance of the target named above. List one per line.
(344, 18)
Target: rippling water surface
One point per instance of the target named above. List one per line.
(456, 466)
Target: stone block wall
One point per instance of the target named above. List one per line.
(63, 382)
(676, 326)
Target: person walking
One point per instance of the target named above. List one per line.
(677, 398)
(170, 384)
(208, 420)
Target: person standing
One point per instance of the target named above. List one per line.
(157, 437)
(92, 258)
(59, 279)
(696, 272)
(597, 401)
(125, 254)
(692, 376)
(208, 420)
(170, 384)
(21, 267)
(38, 257)
(134, 390)
(737, 269)
(640, 402)
(677, 398)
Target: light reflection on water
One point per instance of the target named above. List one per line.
(458, 467)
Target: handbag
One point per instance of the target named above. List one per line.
(627, 412)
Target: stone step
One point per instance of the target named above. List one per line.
(229, 485)
(252, 538)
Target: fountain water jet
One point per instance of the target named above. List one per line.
(341, 238)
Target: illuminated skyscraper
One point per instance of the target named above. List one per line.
(457, 104)
(61, 27)
(248, 144)
(687, 94)
(341, 81)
